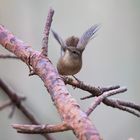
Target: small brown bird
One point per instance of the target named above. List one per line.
(70, 62)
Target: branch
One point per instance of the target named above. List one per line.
(122, 105)
(40, 129)
(100, 98)
(79, 84)
(67, 106)
(115, 104)
(129, 104)
(3, 56)
(15, 99)
(5, 104)
(46, 32)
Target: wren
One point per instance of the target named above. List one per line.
(70, 62)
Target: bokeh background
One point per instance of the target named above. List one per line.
(111, 58)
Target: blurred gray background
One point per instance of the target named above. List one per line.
(111, 58)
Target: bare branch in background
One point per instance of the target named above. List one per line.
(16, 101)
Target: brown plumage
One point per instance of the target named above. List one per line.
(72, 41)
(70, 62)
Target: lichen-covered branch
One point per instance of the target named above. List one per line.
(40, 129)
(67, 106)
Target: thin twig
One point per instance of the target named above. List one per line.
(99, 90)
(5, 56)
(13, 108)
(40, 129)
(5, 104)
(46, 32)
(115, 104)
(129, 104)
(79, 84)
(100, 98)
(18, 101)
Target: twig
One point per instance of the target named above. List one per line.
(99, 90)
(100, 98)
(129, 104)
(115, 104)
(46, 32)
(40, 129)
(5, 104)
(4, 56)
(79, 84)
(13, 108)
(104, 89)
(16, 101)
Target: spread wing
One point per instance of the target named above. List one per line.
(60, 41)
(88, 35)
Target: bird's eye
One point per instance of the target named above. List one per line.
(74, 52)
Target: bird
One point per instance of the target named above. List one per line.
(70, 61)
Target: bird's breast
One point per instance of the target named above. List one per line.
(68, 66)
